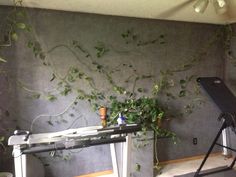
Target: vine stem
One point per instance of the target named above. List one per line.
(72, 51)
(3, 146)
(51, 115)
(155, 148)
(76, 56)
(134, 85)
(24, 87)
(9, 44)
(27, 89)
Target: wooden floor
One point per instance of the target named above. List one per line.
(191, 165)
(178, 167)
(108, 173)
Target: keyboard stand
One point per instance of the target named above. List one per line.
(226, 102)
(100, 136)
(198, 174)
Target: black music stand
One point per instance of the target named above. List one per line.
(226, 102)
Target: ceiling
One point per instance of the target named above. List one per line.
(178, 10)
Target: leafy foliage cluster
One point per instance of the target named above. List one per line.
(145, 111)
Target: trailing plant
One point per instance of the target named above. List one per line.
(13, 24)
(145, 111)
(131, 105)
(96, 98)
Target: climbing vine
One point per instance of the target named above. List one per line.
(68, 83)
(138, 104)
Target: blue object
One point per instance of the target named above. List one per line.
(121, 119)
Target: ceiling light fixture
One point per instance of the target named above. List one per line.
(201, 6)
(220, 6)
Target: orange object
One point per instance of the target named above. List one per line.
(103, 115)
(103, 112)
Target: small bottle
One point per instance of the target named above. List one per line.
(121, 119)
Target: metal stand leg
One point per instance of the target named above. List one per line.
(19, 162)
(127, 156)
(226, 142)
(210, 150)
(114, 160)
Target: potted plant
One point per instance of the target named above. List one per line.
(145, 111)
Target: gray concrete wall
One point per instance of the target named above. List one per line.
(183, 41)
(8, 117)
(230, 75)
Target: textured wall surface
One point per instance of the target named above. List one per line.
(183, 41)
(230, 76)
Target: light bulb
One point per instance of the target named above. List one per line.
(220, 6)
(221, 3)
(201, 6)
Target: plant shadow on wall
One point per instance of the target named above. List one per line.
(148, 105)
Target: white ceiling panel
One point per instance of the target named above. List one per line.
(178, 10)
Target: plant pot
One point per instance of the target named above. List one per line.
(103, 112)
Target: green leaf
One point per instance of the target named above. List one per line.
(28, 28)
(20, 14)
(66, 157)
(182, 81)
(30, 44)
(81, 75)
(42, 56)
(53, 77)
(14, 36)
(21, 25)
(160, 115)
(88, 79)
(2, 138)
(101, 49)
(36, 96)
(64, 121)
(66, 91)
(170, 95)
(123, 35)
(137, 167)
(140, 90)
(162, 36)
(51, 97)
(146, 76)
(99, 67)
(50, 122)
(3, 60)
(112, 97)
(70, 78)
(182, 93)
